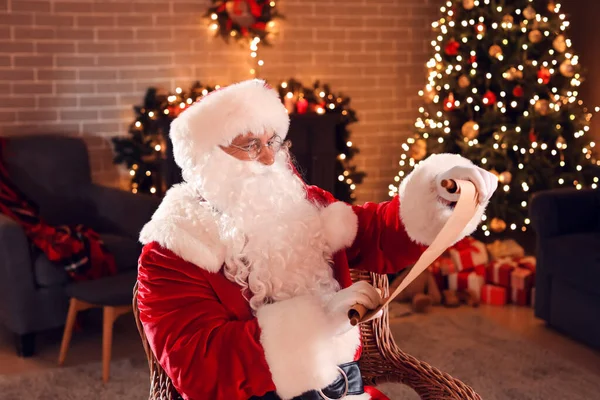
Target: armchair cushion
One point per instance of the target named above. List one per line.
(575, 259)
(125, 250)
(118, 211)
(48, 274)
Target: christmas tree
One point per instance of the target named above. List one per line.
(502, 91)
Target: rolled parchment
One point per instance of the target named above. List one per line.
(463, 213)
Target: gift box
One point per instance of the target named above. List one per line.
(468, 254)
(505, 248)
(499, 272)
(440, 279)
(520, 297)
(466, 280)
(493, 295)
(445, 265)
(521, 278)
(528, 262)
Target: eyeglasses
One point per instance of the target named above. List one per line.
(255, 146)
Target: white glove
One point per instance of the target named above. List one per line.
(485, 182)
(340, 303)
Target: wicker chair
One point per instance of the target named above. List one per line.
(382, 361)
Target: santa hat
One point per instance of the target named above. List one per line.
(222, 115)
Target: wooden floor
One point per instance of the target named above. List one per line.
(86, 346)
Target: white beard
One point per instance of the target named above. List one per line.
(276, 249)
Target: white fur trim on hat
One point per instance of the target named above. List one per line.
(422, 211)
(222, 115)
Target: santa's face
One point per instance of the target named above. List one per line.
(273, 234)
(261, 148)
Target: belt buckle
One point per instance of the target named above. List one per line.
(345, 391)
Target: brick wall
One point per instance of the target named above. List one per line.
(77, 66)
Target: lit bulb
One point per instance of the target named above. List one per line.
(152, 190)
(157, 147)
(132, 172)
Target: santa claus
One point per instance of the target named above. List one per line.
(244, 282)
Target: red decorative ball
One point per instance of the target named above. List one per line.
(489, 98)
(449, 103)
(544, 75)
(473, 59)
(452, 47)
(518, 91)
(480, 28)
(532, 136)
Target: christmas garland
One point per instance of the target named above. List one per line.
(242, 19)
(144, 150)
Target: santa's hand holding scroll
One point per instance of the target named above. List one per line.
(244, 279)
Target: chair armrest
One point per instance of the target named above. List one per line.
(16, 271)
(119, 211)
(565, 211)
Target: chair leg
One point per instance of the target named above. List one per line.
(68, 332)
(25, 344)
(110, 316)
(108, 321)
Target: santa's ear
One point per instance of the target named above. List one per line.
(340, 225)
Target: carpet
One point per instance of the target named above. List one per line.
(496, 362)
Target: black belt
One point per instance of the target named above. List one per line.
(348, 383)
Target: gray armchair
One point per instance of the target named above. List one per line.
(54, 172)
(567, 294)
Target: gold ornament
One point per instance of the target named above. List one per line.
(551, 6)
(529, 12)
(418, 150)
(560, 142)
(567, 69)
(508, 19)
(535, 36)
(464, 81)
(512, 74)
(505, 178)
(470, 130)
(495, 51)
(542, 107)
(468, 4)
(560, 44)
(497, 225)
(429, 94)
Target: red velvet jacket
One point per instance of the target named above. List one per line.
(203, 331)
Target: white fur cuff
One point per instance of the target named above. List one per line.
(297, 345)
(422, 211)
(340, 225)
